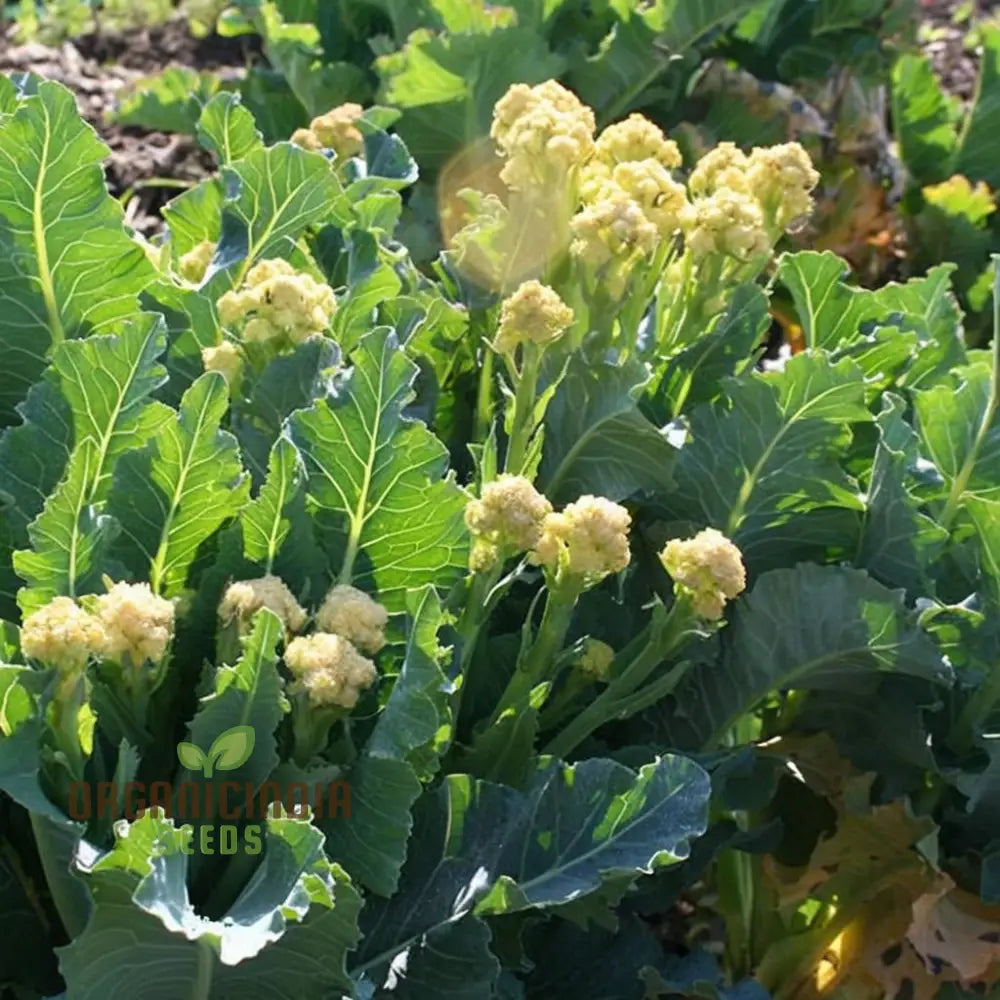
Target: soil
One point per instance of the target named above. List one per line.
(943, 40)
(97, 68)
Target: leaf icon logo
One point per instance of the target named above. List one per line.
(230, 750)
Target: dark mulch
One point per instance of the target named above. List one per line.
(97, 67)
(956, 67)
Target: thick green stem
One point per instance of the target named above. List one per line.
(484, 400)
(538, 664)
(311, 729)
(523, 422)
(625, 694)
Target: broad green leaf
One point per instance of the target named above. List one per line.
(272, 196)
(415, 723)
(195, 216)
(267, 520)
(985, 516)
(684, 23)
(381, 478)
(290, 382)
(772, 452)
(628, 60)
(978, 153)
(959, 431)
(447, 85)
(808, 628)
(837, 15)
(247, 698)
(925, 119)
(227, 129)
(696, 373)
(597, 441)
(899, 542)
(70, 539)
(285, 937)
(67, 267)
(172, 495)
(490, 849)
(371, 843)
(96, 388)
(170, 101)
(836, 315)
(108, 382)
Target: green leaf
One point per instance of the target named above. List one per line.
(979, 144)
(961, 434)
(415, 724)
(627, 61)
(170, 101)
(837, 15)
(173, 494)
(381, 478)
(70, 539)
(285, 937)
(489, 849)
(227, 129)
(238, 717)
(108, 382)
(266, 521)
(836, 315)
(596, 440)
(272, 196)
(899, 542)
(684, 23)
(808, 628)
(772, 452)
(696, 373)
(925, 119)
(447, 85)
(985, 516)
(67, 267)
(372, 842)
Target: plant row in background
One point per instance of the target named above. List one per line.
(609, 624)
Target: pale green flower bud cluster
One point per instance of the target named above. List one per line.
(507, 520)
(743, 203)
(543, 133)
(138, 623)
(352, 614)
(630, 201)
(329, 670)
(327, 665)
(193, 265)
(62, 635)
(596, 659)
(243, 599)
(337, 130)
(533, 314)
(278, 302)
(708, 569)
(586, 541)
(129, 622)
(226, 359)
